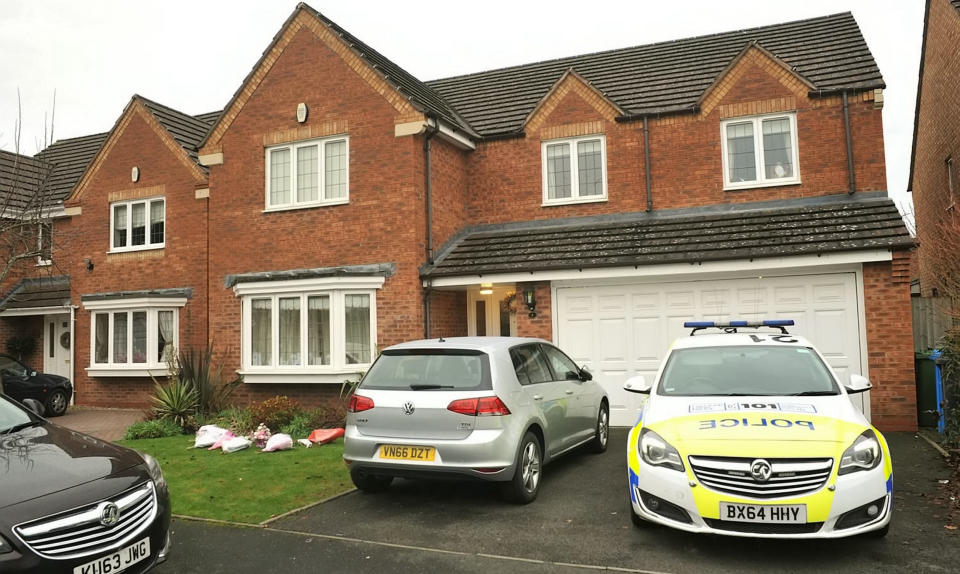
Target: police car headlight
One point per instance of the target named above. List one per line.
(153, 467)
(863, 454)
(658, 452)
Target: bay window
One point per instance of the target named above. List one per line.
(308, 173)
(136, 225)
(134, 336)
(760, 151)
(300, 330)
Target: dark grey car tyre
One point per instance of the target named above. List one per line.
(525, 484)
(601, 438)
(369, 482)
(56, 404)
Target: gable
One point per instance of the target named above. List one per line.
(753, 75)
(410, 98)
(571, 90)
(136, 111)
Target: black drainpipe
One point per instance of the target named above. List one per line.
(428, 192)
(846, 128)
(646, 164)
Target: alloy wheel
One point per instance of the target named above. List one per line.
(530, 467)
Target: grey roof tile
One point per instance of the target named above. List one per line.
(796, 227)
(666, 77)
(20, 178)
(188, 131)
(34, 292)
(70, 158)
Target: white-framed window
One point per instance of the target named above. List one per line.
(44, 243)
(293, 331)
(133, 336)
(308, 173)
(574, 170)
(138, 224)
(760, 151)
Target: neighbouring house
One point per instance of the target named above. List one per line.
(935, 171)
(597, 201)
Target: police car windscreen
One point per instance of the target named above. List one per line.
(746, 371)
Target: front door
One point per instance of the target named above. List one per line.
(57, 345)
(491, 314)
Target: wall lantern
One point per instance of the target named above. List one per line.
(486, 288)
(135, 174)
(530, 298)
(301, 112)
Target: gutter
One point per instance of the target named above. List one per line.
(846, 129)
(431, 131)
(646, 164)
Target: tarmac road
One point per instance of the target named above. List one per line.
(580, 523)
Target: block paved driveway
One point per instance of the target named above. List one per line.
(579, 523)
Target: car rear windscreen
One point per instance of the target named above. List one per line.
(430, 370)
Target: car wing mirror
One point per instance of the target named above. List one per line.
(638, 384)
(585, 374)
(858, 384)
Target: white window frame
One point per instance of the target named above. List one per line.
(761, 180)
(153, 366)
(337, 288)
(41, 226)
(574, 170)
(129, 205)
(321, 175)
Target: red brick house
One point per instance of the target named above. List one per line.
(349, 206)
(935, 162)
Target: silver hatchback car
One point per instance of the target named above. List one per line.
(492, 408)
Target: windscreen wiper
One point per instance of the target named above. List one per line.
(814, 394)
(429, 387)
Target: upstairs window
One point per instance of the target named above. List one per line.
(760, 151)
(44, 243)
(136, 225)
(574, 170)
(309, 173)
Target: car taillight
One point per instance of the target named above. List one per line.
(359, 403)
(480, 407)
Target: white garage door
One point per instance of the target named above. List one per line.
(625, 330)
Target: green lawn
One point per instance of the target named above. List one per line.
(246, 486)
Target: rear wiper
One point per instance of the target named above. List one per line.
(429, 387)
(22, 426)
(813, 394)
(740, 395)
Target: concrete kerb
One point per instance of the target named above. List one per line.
(923, 434)
(265, 523)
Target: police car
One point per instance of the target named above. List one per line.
(748, 432)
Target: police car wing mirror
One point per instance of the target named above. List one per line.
(858, 384)
(585, 374)
(638, 384)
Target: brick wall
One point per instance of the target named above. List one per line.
(889, 327)
(505, 178)
(181, 263)
(384, 221)
(542, 325)
(938, 137)
(448, 314)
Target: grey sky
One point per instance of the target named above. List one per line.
(192, 55)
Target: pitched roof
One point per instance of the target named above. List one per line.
(666, 77)
(766, 229)
(20, 177)
(34, 292)
(70, 158)
(188, 131)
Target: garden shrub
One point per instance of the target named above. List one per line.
(299, 426)
(275, 412)
(237, 419)
(156, 428)
(176, 401)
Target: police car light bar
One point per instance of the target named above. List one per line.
(731, 326)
